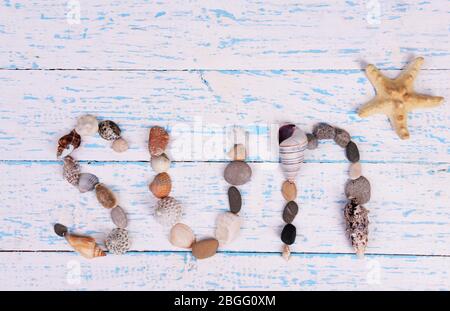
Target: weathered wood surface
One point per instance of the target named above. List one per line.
(33, 117)
(221, 34)
(408, 211)
(229, 271)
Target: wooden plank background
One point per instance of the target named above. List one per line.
(200, 68)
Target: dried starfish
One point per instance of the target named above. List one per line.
(396, 97)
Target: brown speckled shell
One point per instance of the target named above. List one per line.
(71, 170)
(85, 245)
(71, 140)
(157, 141)
(109, 130)
(357, 220)
(161, 185)
(105, 196)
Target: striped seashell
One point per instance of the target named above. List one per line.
(161, 185)
(68, 143)
(87, 182)
(71, 171)
(292, 153)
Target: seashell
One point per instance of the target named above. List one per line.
(352, 152)
(71, 170)
(286, 252)
(119, 217)
(324, 131)
(68, 143)
(342, 137)
(205, 248)
(118, 241)
(161, 185)
(228, 227)
(357, 221)
(285, 132)
(60, 230)
(237, 153)
(289, 234)
(289, 190)
(87, 125)
(109, 130)
(157, 141)
(85, 245)
(290, 211)
(168, 211)
(237, 173)
(355, 170)
(313, 142)
(161, 163)
(292, 154)
(105, 196)
(234, 199)
(358, 189)
(181, 236)
(87, 182)
(120, 145)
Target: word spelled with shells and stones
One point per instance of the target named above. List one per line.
(117, 242)
(168, 211)
(292, 144)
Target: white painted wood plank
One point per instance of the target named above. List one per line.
(33, 117)
(222, 35)
(162, 271)
(409, 209)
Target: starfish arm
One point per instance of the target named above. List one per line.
(410, 74)
(423, 101)
(398, 120)
(375, 77)
(375, 106)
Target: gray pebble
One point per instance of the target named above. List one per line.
(60, 230)
(119, 217)
(312, 141)
(342, 137)
(290, 211)
(352, 152)
(235, 199)
(237, 173)
(324, 131)
(358, 189)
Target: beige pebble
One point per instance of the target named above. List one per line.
(205, 248)
(286, 252)
(120, 145)
(181, 236)
(289, 190)
(237, 153)
(355, 170)
(105, 196)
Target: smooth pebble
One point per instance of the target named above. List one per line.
(342, 137)
(237, 173)
(355, 170)
(105, 196)
(352, 152)
(234, 199)
(289, 234)
(181, 236)
(313, 142)
(119, 217)
(358, 189)
(60, 230)
(324, 131)
(228, 227)
(205, 248)
(289, 190)
(290, 211)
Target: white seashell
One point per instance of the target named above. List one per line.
(228, 227)
(160, 164)
(292, 154)
(181, 236)
(87, 125)
(87, 182)
(168, 211)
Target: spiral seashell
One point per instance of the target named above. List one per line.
(161, 185)
(357, 221)
(68, 143)
(85, 245)
(105, 196)
(160, 163)
(71, 170)
(87, 182)
(168, 211)
(109, 130)
(157, 141)
(228, 227)
(292, 153)
(118, 241)
(87, 125)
